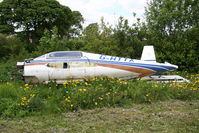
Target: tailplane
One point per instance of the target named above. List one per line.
(148, 54)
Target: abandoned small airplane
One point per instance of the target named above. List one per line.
(76, 65)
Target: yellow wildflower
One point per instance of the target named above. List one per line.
(100, 98)
(170, 85)
(26, 84)
(24, 99)
(86, 83)
(32, 95)
(108, 93)
(28, 100)
(67, 100)
(96, 103)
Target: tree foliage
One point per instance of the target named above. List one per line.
(173, 27)
(11, 47)
(50, 42)
(122, 40)
(34, 16)
(3, 44)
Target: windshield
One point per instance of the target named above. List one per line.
(65, 54)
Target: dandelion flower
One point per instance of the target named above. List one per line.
(26, 84)
(100, 98)
(86, 83)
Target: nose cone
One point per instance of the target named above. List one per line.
(173, 67)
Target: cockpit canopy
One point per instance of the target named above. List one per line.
(64, 54)
(61, 55)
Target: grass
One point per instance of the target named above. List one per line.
(99, 105)
(19, 99)
(162, 116)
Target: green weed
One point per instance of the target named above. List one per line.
(17, 99)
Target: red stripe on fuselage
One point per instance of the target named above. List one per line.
(35, 64)
(143, 71)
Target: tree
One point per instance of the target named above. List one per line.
(50, 42)
(130, 39)
(170, 24)
(3, 49)
(122, 40)
(11, 47)
(34, 16)
(75, 29)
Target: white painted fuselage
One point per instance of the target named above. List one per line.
(75, 65)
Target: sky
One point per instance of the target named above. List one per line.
(111, 10)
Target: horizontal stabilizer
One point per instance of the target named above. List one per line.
(148, 54)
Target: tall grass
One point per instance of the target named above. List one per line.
(18, 99)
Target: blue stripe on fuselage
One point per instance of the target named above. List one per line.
(154, 67)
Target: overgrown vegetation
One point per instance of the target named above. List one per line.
(18, 99)
(171, 26)
(165, 116)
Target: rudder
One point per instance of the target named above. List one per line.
(148, 54)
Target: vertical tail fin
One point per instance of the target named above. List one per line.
(148, 54)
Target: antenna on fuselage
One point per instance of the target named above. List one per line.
(148, 54)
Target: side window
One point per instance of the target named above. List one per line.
(58, 65)
(65, 65)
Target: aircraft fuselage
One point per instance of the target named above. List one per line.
(75, 65)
